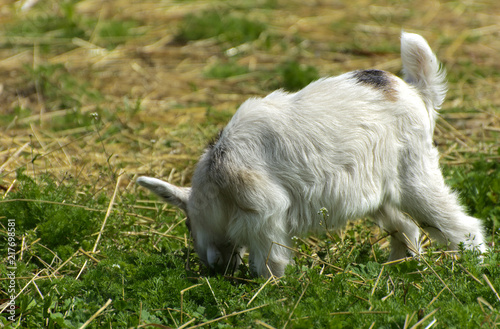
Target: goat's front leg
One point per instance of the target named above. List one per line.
(269, 256)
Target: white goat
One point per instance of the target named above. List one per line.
(359, 144)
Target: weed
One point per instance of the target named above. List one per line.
(113, 32)
(59, 88)
(227, 27)
(216, 118)
(56, 89)
(480, 191)
(49, 31)
(295, 76)
(225, 70)
(63, 231)
(54, 26)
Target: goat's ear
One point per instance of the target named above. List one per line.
(174, 195)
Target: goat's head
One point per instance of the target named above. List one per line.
(204, 213)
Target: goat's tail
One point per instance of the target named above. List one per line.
(422, 70)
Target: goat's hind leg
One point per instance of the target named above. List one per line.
(436, 209)
(405, 234)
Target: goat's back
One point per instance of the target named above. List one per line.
(337, 143)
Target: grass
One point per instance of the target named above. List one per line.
(223, 25)
(58, 89)
(481, 185)
(226, 70)
(295, 76)
(144, 266)
(53, 28)
(95, 94)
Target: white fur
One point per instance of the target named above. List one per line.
(359, 144)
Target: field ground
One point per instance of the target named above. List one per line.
(94, 93)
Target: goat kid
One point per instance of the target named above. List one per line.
(359, 144)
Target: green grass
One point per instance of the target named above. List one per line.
(480, 188)
(144, 273)
(227, 27)
(225, 70)
(53, 27)
(290, 75)
(295, 76)
(113, 33)
(60, 90)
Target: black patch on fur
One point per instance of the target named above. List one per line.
(377, 79)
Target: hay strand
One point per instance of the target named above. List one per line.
(96, 314)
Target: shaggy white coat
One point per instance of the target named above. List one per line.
(359, 144)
